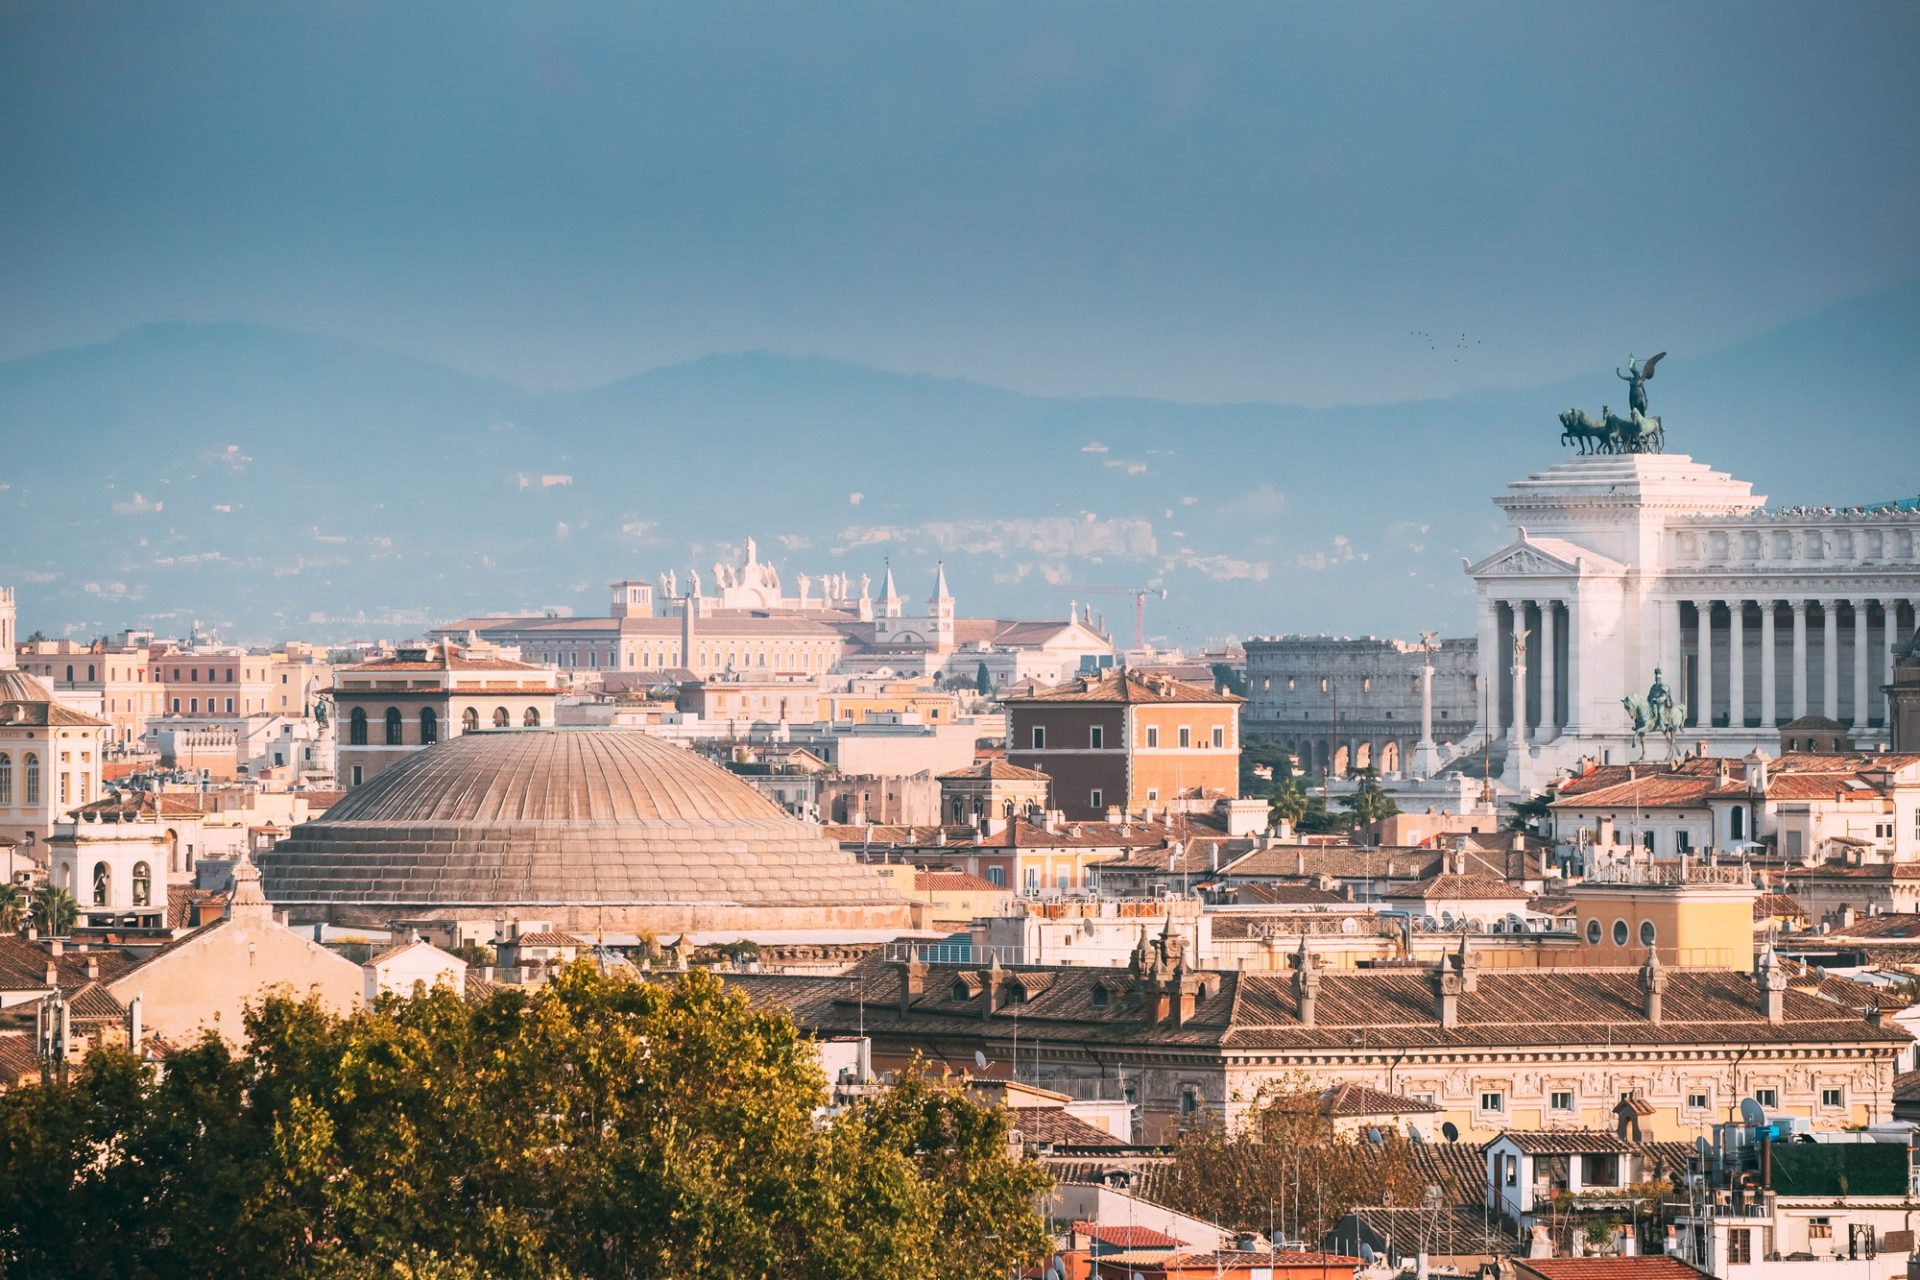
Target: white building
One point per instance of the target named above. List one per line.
(1621, 563)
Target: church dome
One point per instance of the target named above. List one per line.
(17, 686)
(583, 827)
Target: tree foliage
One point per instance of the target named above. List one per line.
(54, 911)
(1369, 802)
(1287, 1169)
(13, 907)
(596, 1127)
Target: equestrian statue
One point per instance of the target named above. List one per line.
(1655, 713)
(1638, 432)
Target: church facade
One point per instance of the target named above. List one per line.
(1623, 563)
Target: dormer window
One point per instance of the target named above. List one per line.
(1101, 997)
(960, 991)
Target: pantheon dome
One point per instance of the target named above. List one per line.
(582, 827)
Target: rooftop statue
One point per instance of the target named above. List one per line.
(1638, 432)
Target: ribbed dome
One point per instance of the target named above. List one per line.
(17, 686)
(564, 824)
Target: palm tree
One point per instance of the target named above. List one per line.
(54, 911)
(13, 908)
(1288, 804)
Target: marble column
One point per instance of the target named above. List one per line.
(1889, 637)
(1703, 713)
(1549, 664)
(1672, 650)
(1830, 659)
(1487, 659)
(1736, 664)
(1575, 721)
(1799, 672)
(1769, 670)
(1860, 666)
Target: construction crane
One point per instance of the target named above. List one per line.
(1139, 595)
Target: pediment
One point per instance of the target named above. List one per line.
(1544, 558)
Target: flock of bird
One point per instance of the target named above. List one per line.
(1463, 343)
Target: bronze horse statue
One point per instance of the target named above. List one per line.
(1578, 428)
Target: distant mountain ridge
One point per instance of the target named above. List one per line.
(275, 483)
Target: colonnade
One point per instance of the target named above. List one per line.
(1734, 662)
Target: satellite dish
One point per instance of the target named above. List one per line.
(1414, 1134)
(1752, 1112)
(979, 1059)
(1450, 1131)
(1366, 1254)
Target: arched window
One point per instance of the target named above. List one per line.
(69, 673)
(6, 778)
(89, 671)
(33, 778)
(357, 728)
(395, 737)
(429, 727)
(469, 720)
(142, 884)
(99, 884)
(532, 718)
(501, 718)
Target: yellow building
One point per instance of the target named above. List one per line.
(1692, 915)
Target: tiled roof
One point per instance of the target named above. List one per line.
(548, 938)
(1906, 1087)
(1458, 887)
(1055, 1127)
(1123, 687)
(1126, 1237)
(47, 715)
(1460, 1231)
(1638, 1267)
(953, 882)
(1352, 1099)
(996, 771)
(1769, 905)
(1213, 1260)
(1293, 895)
(1558, 1142)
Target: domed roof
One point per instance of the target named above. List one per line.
(17, 686)
(566, 821)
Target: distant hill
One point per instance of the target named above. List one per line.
(273, 483)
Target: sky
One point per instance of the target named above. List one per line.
(1326, 204)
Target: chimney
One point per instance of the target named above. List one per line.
(1653, 985)
(1446, 996)
(913, 981)
(53, 972)
(1306, 983)
(1467, 964)
(1300, 861)
(1771, 980)
(93, 968)
(993, 975)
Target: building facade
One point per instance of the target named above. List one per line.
(1623, 563)
(1121, 740)
(1342, 704)
(393, 707)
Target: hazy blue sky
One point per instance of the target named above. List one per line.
(1209, 202)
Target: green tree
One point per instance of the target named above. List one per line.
(1369, 803)
(1529, 813)
(1256, 752)
(1287, 804)
(13, 908)
(54, 911)
(598, 1126)
(982, 682)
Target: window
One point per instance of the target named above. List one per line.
(531, 720)
(1510, 1169)
(1153, 793)
(1682, 842)
(1740, 1245)
(1493, 1102)
(1593, 933)
(1033, 879)
(469, 720)
(997, 877)
(142, 884)
(193, 704)
(395, 736)
(1601, 1170)
(429, 726)
(356, 775)
(6, 778)
(1620, 933)
(176, 706)
(500, 718)
(1097, 737)
(1737, 822)
(229, 705)
(1189, 1102)
(1097, 799)
(1767, 1097)
(1186, 737)
(69, 673)
(1100, 997)
(66, 788)
(1697, 1102)
(1819, 1228)
(1039, 737)
(33, 778)
(99, 884)
(1153, 735)
(1831, 1098)
(1646, 933)
(357, 727)
(1560, 1100)
(1219, 735)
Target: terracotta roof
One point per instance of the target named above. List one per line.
(1769, 905)
(1122, 686)
(1906, 1087)
(1638, 1267)
(548, 938)
(1055, 1127)
(996, 771)
(1455, 1232)
(1126, 1237)
(47, 715)
(1556, 1142)
(1287, 895)
(1352, 1099)
(1469, 887)
(953, 882)
(1212, 1260)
